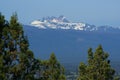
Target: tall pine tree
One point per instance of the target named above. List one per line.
(98, 67)
(53, 70)
(17, 61)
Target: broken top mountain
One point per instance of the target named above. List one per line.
(62, 23)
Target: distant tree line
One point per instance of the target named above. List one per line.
(17, 61)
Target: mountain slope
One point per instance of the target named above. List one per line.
(71, 45)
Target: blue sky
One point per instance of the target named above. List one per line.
(98, 12)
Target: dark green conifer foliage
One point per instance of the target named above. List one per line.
(117, 78)
(2, 68)
(56, 70)
(17, 62)
(15, 56)
(98, 67)
(53, 70)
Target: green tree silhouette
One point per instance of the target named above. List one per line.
(98, 67)
(17, 61)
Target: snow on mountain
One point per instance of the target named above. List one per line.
(62, 23)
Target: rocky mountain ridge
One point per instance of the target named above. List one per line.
(62, 23)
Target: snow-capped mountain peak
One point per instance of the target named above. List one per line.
(62, 23)
(57, 23)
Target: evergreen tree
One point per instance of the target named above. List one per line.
(53, 69)
(17, 62)
(98, 67)
(56, 70)
(15, 56)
